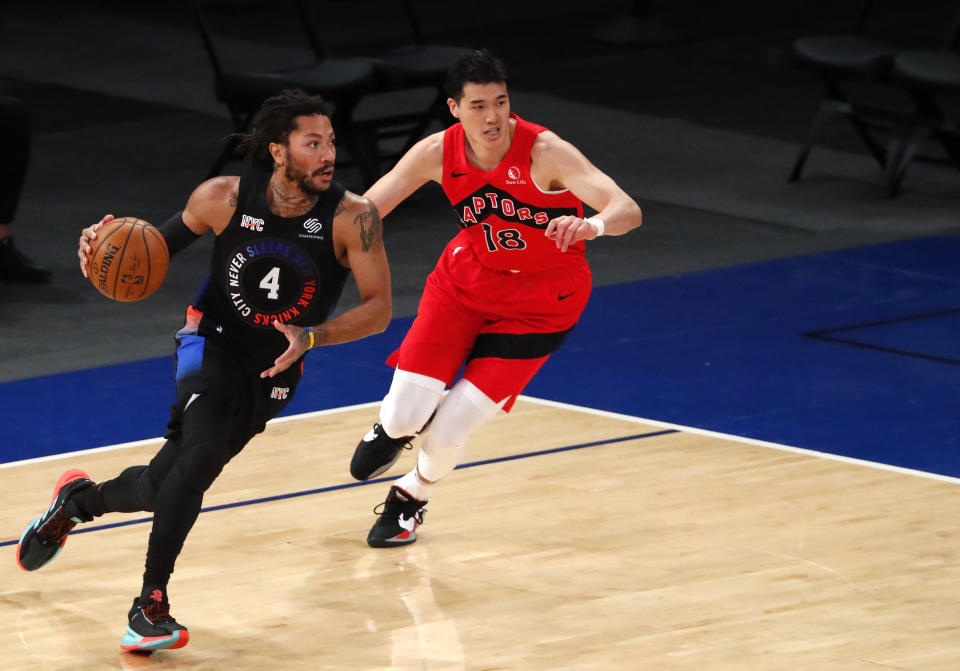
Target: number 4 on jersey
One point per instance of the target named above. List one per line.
(271, 282)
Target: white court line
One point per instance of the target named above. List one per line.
(564, 406)
(747, 441)
(147, 441)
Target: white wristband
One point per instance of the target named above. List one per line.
(597, 223)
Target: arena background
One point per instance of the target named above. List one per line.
(819, 314)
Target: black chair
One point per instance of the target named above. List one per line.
(414, 65)
(838, 59)
(929, 77)
(341, 81)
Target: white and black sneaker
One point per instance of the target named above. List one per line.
(376, 453)
(399, 519)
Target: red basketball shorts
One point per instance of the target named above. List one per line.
(502, 325)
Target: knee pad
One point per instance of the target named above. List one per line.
(465, 409)
(437, 459)
(409, 403)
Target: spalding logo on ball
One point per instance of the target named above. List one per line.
(129, 259)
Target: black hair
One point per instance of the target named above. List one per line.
(274, 122)
(477, 67)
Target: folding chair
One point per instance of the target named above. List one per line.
(838, 59)
(929, 77)
(341, 81)
(417, 64)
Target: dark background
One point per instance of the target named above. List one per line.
(701, 132)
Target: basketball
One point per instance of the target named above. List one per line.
(129, 259)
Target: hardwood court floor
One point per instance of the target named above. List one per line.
(672, 551)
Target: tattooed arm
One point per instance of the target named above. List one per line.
(358, 242)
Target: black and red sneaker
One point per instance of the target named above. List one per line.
(46, 535)
(377, 452)
(399, 519)
(151, 627)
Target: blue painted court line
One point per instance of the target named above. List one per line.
(940, 338)
(390, 478)
(727, 351)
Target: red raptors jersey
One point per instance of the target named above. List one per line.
(502, 212)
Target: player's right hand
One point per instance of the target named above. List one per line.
(87, 236)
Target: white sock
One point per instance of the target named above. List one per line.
(414, 486)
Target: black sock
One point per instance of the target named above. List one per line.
(153, 592)
(120, 495)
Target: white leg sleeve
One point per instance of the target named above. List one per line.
(409, 403)
(464, 410)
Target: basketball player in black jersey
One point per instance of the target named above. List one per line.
(286, 240)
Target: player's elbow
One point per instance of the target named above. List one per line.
(382, 308)
(636, 216)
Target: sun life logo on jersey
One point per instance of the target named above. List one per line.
(254, 224)
(513, 175)
(280, 393)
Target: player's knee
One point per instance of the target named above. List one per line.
(464, 411)
(444, 444)
(445, 436)
(409, 403)
(144, 486)
(441, 452)
(399, 419)
(199, 480)
(204, 466)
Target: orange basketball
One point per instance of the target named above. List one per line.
(129, 259)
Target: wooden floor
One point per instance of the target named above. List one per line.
(675, 551)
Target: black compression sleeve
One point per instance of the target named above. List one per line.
(176, 233)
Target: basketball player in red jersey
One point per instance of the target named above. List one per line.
(506, 291)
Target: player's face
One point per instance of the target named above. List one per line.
(484, 111)
(311, 154)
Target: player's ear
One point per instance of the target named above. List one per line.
(454, 108)
(276, 151)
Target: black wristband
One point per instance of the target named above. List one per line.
(176, 233)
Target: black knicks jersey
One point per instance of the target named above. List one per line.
(268, 268)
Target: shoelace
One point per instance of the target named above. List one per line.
(381, 508)
(407, 440)
(157, 612)
(57, 527)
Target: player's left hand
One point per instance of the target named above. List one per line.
(567, 230)
(299, 341)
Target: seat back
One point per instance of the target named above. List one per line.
(862, 17)
(953, 39)
(258, 71)
(414, 21)
(881, 20)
